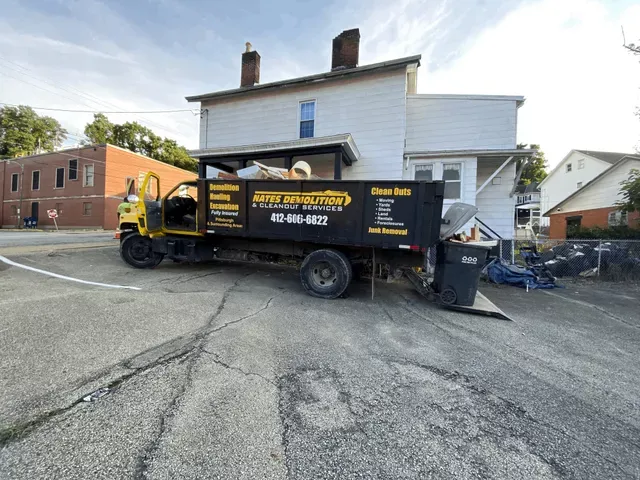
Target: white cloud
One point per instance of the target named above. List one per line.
(566, 58)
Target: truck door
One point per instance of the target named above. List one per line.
(150, 205)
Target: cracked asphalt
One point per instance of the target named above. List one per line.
(232, 371)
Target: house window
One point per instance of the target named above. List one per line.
(59, 177)
(86, 209)
(451, 174)
(59, 208)
(307, 119)
(73, 169)
(569, 167)
(579, 185)
(15, 178)
(617, 219)
(88, 175)
(14, 210)
(424, 172)
(581, 164)
(35, 180)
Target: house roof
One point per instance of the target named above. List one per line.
(320, 77)
(609, 157)
(592, 182)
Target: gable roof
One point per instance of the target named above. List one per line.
(592, 182)
(320, 77)
(607, 157)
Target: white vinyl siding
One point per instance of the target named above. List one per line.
(603, 193)
(371, 109)
(495, 207)
(443, 123)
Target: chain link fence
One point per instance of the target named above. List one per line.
(614, 260)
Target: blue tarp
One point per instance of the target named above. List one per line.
(499, 271)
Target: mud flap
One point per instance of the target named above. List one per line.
(481, 306)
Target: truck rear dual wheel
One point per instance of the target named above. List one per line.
(137, 251)
(326, 273)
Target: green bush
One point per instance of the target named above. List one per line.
(599, 233)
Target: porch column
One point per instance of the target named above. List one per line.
(288, 162)
(337, 166)
(202, 170)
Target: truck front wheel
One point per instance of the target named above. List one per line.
(326, 273)
(136, 250)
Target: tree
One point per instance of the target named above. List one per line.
(24, 132)
(139, 139)
(100, 130)
(536, 168)
(630, 192)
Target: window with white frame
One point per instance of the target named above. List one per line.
(424, 172)
(73, 169)
(617, 219)
(569, 167)
(35, 180)
(59, 177)
(15, 180)
(307, 118)
(88, 175)
(581, 164)
(450, 172)
(452, 176)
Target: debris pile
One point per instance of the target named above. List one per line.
(301, 170)
(587, 260)
(530, 277)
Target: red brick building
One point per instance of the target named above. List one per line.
(593, 205)
(85, 185)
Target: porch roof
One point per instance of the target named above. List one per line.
(299, 147)
(516, 152)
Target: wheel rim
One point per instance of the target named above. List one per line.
(324, 275)
(140, 250)
(448, 296)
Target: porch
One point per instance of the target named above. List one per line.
(327, 156)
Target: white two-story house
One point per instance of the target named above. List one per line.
(573, 172)
(369, 122)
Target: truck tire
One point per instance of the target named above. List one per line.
(326, 273)
(136, 250)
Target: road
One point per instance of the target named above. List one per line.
(231, 371)
(10, 239)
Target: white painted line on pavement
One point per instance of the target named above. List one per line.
(64, 277)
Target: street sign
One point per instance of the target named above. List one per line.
(53, 213)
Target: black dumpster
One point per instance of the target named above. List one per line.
(457, 271)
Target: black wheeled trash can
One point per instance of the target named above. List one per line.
(457, 271)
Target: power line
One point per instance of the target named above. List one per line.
(88, 96)
(101, 111)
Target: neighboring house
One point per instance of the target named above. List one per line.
(593, 205)
(574, 171)
(527, 208)
(85, 185)
(368, 122)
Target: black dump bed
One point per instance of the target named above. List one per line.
(387, 214)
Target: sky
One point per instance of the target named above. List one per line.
(565, 56)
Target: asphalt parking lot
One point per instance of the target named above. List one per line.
(232, 371)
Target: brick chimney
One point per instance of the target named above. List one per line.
(250, 74)
(346, 49)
